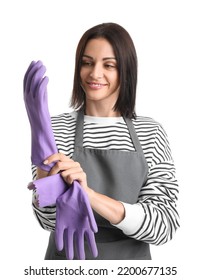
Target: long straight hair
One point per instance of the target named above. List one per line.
(126, 57)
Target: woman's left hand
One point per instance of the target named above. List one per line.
(69, 169)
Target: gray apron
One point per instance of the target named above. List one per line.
(119, 175)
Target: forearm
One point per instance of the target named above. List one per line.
(158, 199)
(111, 209)
(41, 173)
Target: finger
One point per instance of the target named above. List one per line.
(91, 217)
(59, 167)
(36, 80)
(40, 92)
(56, 157)
(88, 208)
(69, 249)
(59, 236)
(80, 177)
(80, 245)
(30, 74)
(91, 243)
(69, 164)
(42, 87)
(90, 214)
(71, 174)
(27, 72)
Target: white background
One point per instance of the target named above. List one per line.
(167, 38)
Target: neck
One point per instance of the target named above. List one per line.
(101, 111)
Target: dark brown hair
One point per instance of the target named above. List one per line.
(125, 54)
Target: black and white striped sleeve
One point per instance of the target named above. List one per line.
(154, 219)
(46, 216)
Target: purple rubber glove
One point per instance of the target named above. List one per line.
(35, 97)
(75, 221)
(48, 189)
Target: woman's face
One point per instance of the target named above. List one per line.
(99, 74)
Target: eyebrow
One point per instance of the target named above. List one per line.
(105, 58)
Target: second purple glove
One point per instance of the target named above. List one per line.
(75, 222)
(74, 217)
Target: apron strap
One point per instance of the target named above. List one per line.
(79, 128)
(133, 135)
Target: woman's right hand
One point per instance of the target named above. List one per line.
(69, 169)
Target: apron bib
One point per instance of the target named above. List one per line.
(119, 175)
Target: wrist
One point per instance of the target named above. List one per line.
(90, 193)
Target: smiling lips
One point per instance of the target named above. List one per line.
(96, 85)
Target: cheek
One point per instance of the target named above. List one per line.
(116, 82)
(83, 73)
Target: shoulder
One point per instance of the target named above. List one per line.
(146, 123)
(149, 126)
(63, 123)
(64, 118)
(153, 137)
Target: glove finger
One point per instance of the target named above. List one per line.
(36, 79)
(69, 248)
(59, 235)
(30, 74)
(91, 243)
(42, 88)
(87, 206)
(91, 217)
(80, 245)
(27, 72)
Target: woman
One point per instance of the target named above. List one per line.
(122, 161)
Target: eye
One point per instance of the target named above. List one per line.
(110, 66)
(87, 63)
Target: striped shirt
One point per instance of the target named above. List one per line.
(154, 218)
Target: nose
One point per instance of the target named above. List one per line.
(96, 72)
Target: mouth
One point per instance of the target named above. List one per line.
(95, 85)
